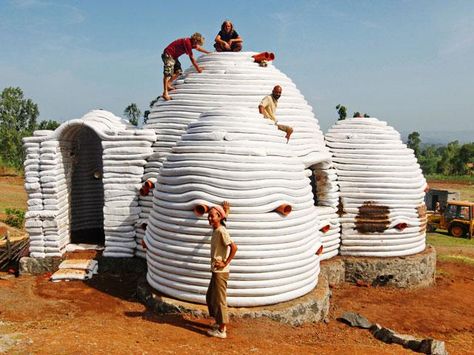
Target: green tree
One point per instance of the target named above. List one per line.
(17, 120)
(133, 113)
(464, 156)
(342, 112)
(48, 125)
(414, 142)
(447, 163)
(429, 160)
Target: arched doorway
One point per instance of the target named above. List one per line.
(81, 150)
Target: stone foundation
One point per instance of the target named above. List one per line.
(313, 307)
(38, 266)
(411, 271)
(334, 270)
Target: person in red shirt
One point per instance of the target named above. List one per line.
(172, 66)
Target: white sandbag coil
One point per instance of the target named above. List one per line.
(381, 188)
(276, 260)
(234, 80)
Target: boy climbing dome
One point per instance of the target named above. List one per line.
(172, 66)
(268, 107)
(221, 246)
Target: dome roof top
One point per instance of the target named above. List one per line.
(235, 81)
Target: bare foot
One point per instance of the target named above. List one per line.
(171, 88)
(166, 97)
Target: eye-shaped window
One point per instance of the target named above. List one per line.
(401, 226)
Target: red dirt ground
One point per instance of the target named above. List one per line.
(103, 316)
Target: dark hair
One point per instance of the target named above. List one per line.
(223, 220)
(223, 26)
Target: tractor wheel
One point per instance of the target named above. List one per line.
(457, 230)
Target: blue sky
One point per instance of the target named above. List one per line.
(410, 63)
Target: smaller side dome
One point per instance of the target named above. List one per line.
(381, 187)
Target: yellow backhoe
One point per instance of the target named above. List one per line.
(457, 218)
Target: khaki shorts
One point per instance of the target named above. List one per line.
(171, 65)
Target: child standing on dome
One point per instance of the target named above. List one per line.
(223, 250)
(172, 66)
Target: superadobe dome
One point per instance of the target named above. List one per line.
(233, 81)
(234, 155)
(382, 190)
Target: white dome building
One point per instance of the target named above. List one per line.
(238, 156)
(233, 81)
(382, 190)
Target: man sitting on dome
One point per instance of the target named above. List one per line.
(172, 66)
(268, 107)
(228, 40)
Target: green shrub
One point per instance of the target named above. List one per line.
(15, 217)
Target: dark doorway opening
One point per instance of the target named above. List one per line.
(86, 188)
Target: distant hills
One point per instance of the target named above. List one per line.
(442, 137)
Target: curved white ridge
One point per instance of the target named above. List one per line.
(256, 171)
(234, 81)
(382, 189)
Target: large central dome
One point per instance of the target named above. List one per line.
(249, 165)
(230, 89)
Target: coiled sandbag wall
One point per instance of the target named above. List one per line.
(237, 156)
(84, 176)
(235, 81)
(382, 190)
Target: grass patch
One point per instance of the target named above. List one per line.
(457, 258)
(451, 178)
(457, 250)
(12, 193)
(440, 240)
(442, 272)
